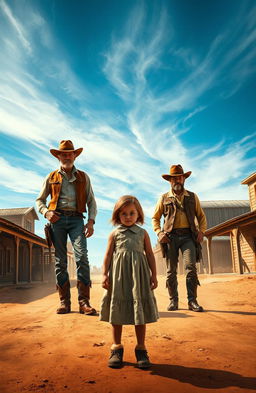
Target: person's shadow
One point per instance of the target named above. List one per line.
(203, 377)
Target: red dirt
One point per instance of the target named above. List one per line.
(191, 352)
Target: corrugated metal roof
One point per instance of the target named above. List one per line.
(225, 203)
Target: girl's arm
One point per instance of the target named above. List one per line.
(107, 260)
(151, 260)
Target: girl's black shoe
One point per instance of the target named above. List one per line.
(116, 358)
(142, 358)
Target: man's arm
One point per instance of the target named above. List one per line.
(92, 207)
(90, 200)
(201, 218)
(157, 216)
(156, 221)
(41, 199)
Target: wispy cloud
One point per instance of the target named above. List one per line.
(150, 107)
(18, 179)
(43, 101)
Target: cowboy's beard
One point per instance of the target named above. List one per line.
(67, 163)
(178, 187)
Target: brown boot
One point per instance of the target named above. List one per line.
(83, 299)
(64, 294)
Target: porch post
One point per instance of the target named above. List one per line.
(209, 254)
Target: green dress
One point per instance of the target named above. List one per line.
(129, 300)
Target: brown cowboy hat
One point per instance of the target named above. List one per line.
(176, 170)
(66, 146)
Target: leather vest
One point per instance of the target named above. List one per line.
(55, 182)
(170, 209)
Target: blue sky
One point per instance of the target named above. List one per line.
(140, 85)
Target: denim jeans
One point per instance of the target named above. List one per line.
(74, 227)
(187, 246)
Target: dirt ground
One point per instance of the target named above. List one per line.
(191, 352)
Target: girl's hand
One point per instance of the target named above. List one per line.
(105, 281)
(153, 282)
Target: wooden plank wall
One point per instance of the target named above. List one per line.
(252, 196)
(247, 245)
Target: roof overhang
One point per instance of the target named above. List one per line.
(16, 230)
(226, 227)
(249, 179)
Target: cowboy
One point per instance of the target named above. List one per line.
(180, 209)
(70, 190)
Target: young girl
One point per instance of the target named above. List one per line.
(129, 275)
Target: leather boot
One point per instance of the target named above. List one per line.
(83, 299)
(192, 283)
(64, 294)
(142, 358)
(173, 294)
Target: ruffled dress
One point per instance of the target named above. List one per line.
(129, 300)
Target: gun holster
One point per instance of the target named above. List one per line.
(48, 234)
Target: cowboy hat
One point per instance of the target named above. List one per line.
(176, 170)
(66, 147)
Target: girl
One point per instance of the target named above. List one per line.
(129, 299)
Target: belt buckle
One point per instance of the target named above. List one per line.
(70, 213)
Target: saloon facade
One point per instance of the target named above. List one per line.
(24, 256)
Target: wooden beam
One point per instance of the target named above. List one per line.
(232, 252)
(209, 254)
(239, 253)
(42, 263)
(14, 233)
(17, 242)
(236, 234)
(30, 260)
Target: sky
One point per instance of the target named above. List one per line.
(140, 85)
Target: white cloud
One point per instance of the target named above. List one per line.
(18, 179)
(148, 136)
(16, 25)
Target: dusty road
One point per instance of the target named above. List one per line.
(212, 351)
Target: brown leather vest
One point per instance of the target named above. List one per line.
(170, 211)
(55, 181)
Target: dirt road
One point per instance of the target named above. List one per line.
(191, 352)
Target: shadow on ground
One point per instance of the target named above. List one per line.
(204, 378)
(26, 293)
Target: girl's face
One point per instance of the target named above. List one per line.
(128, 215)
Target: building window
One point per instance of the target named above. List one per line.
(28, 225)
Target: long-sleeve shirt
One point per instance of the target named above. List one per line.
(67, 197)
(181, 220)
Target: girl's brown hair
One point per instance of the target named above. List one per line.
(124, 201)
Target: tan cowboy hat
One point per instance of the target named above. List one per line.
(176, 170)
(66, 146)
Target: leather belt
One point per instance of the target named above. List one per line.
(69, 213)
(181, 231)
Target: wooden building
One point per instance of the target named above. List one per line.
(22, 216)
(24, 256)
(21, 255)
(241, 231)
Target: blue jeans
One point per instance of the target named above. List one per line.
(74, 227)
(187, 246)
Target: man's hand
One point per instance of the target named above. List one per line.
(200, 237)
(163, 238)
(52, 216)
(105, 281)
(88, 228)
